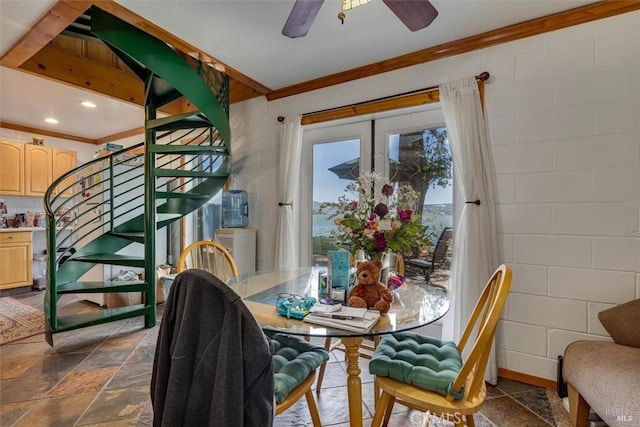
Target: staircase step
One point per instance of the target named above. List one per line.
(162, 217)
(162, 220)
(177, 195)
(188, 149)
(133, 236)
(112, 259)
(83, 320)
(188, 174)
(190, 120)
(102, 287)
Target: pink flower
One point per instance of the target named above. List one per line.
(353, 205)
(381, 242)
(404, 215)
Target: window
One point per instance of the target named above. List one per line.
(406, 149)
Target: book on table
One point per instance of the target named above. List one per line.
(348, 318)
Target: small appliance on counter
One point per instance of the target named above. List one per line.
(235, 209)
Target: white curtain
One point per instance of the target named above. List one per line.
(287, 242)
(474, 240)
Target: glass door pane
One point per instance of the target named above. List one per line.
(413, 149)
(335, 164)
(334, 156)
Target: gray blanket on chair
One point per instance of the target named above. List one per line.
(213, 364)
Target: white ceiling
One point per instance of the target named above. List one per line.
(245, 34)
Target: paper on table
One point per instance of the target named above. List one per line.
(355, 324)
(343, 312)
(325, 308)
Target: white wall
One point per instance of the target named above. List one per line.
(563, 113)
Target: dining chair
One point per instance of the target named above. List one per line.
(209, 256)
(294, 365)
(214, 365)
(368, 347)
(429, 375)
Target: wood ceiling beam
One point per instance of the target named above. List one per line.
(579, 15)
(63, 13)
(121, 135)
(59, 65)
(45, 132)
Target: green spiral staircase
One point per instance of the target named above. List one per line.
(107, 212)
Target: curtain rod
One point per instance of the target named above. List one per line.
(484, 76)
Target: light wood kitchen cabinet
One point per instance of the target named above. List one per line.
(28, 170)
(38, 169)
(63, 162)
(15, 259)
(11, 168)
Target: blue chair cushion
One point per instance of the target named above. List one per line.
(293, 360)
(422, 361)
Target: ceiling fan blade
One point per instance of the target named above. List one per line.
(415, 14)
(301, 18)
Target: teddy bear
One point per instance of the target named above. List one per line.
(370, 292)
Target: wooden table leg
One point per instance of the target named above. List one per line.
(354, 384)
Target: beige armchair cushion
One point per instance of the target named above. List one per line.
(621, 322)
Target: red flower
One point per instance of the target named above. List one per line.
(387, 190)
(381, 210)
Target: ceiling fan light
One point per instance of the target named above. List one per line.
(350, 4)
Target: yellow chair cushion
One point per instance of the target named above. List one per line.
(422, 361)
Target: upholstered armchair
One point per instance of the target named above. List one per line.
(604, 376)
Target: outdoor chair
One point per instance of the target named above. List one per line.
(429, 375)
(436, 259)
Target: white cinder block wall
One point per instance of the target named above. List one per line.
(563, 113)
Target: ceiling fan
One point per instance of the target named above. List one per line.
(415, 14)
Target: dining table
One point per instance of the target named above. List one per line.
(415, 305)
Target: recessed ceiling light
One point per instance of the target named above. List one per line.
(51, 120)
(88, 104)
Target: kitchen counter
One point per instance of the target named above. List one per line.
(19, 229)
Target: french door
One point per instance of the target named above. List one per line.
(334, 155)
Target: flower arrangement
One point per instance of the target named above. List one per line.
(376, 218)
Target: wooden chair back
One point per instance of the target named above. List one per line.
(209, 256)
(484, 320)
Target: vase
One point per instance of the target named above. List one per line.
(396, 298)
(384, 258)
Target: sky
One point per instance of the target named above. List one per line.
(326, 184)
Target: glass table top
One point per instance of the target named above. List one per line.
(415, 304)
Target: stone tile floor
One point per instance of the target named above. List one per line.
(100, 376)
